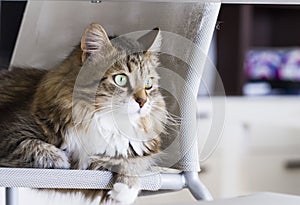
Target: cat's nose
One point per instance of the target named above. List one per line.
(140, 97)
(141, 101)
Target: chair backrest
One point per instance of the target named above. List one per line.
(50, 30)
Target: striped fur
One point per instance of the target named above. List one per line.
(76, 116)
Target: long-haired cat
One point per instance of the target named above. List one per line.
(100, 109)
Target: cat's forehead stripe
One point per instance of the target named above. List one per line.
(133, 62)
(128, 64)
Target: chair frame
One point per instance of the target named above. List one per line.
(169, 182)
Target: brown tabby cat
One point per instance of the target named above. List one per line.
(100, 109)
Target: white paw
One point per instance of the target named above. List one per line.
(123, 194)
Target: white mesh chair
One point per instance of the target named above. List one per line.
(41, 29)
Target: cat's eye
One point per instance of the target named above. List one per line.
(120, 80)
(148, 84)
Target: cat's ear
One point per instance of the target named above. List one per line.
(151, 41)
(94, 40)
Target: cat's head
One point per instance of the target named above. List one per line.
(129, 86)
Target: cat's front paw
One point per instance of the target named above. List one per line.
(122, 194)
(53, 158)
(43, 155)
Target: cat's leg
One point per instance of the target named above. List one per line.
(126, 181)
(38, 154)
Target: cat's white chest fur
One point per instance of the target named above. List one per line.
(106, 134)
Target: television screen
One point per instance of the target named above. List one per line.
(277, 68)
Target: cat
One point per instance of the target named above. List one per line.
(100, 109)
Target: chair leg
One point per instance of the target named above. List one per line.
(11, 196)
(196, 187)
(176, 182)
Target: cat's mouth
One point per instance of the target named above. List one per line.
(134, 108)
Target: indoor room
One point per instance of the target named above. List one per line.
(149, 102)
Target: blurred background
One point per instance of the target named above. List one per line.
(258, 49)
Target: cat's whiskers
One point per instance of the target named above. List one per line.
(172, 118)
(87, 117)
(169, 127)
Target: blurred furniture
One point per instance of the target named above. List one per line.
(259, 150)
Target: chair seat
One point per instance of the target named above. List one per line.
(68, 179)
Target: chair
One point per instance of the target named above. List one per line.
(194, 21)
